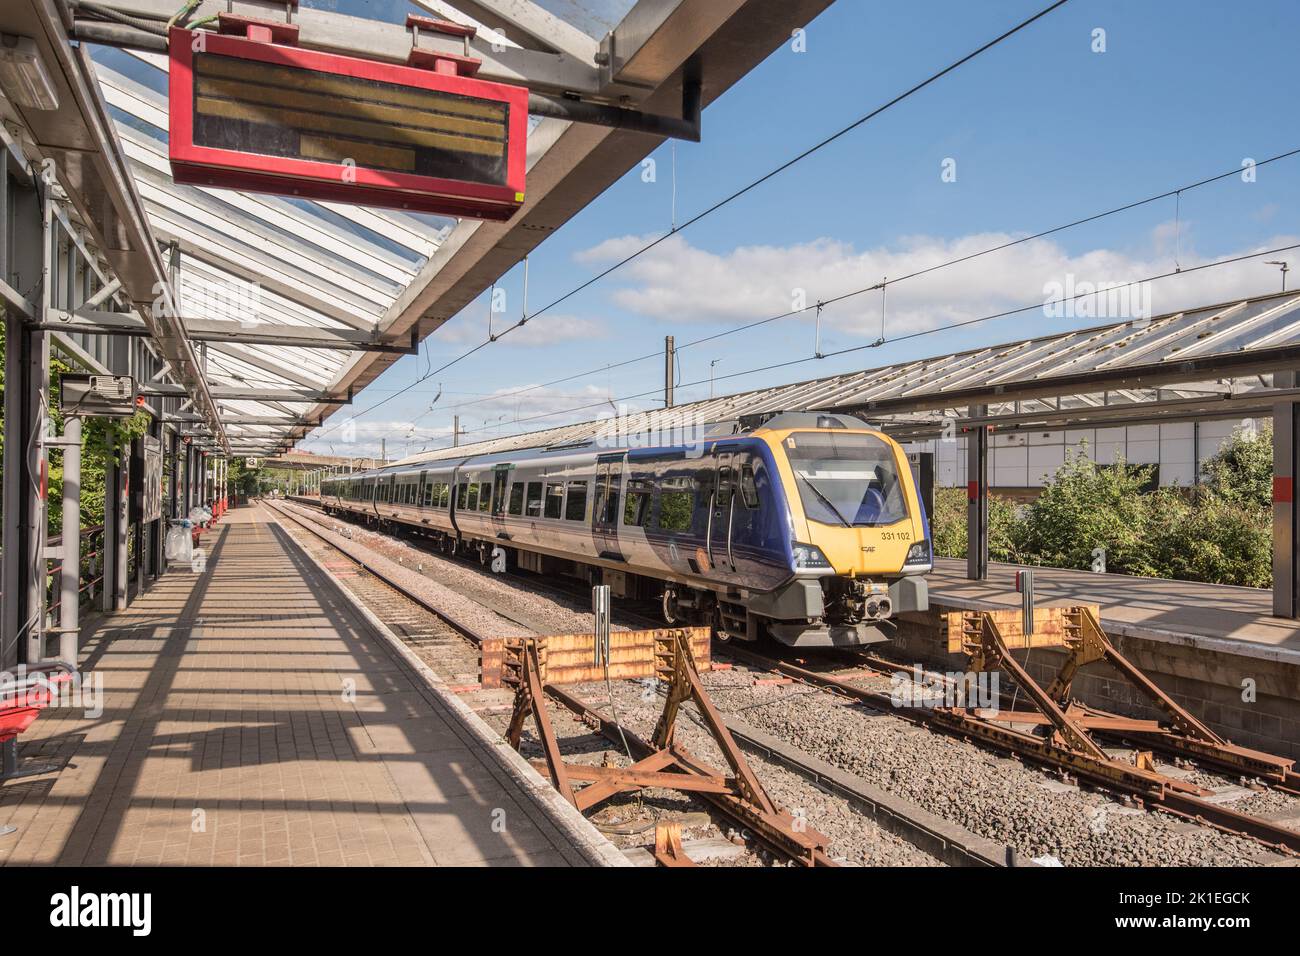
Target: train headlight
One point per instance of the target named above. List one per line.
(808, 557)
(918, 555)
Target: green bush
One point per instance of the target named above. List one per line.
(949, 523)
(1219, 531)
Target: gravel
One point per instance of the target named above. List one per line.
(995, 797)
(854, 837)
(465, 585)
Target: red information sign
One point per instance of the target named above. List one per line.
(266, 117)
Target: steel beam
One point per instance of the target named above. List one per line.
(236, 394)
(1286, 521)
(391, 42)
(70, 575)
(78, 137)
(977, 498)
(522, 23)
(91, 322)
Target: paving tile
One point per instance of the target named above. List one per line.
(226, 738)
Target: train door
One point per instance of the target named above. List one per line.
(722, 508)
(605, 507)
(500, 485)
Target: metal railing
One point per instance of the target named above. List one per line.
(90, 572)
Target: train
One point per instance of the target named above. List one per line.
(805, 527)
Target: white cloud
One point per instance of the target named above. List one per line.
(682, 283)
(361, 438)
(504, 412)
(547, 329)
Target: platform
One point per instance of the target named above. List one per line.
(1215, 649)
(229, 735)
(1155, 608)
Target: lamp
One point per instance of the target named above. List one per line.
(23, 76)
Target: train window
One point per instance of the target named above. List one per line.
(534, 505)
(724, 487)
(499, 481)
(748, 489)
(605, 508)
(428, 494)
(575, 509)
(444, 494)
(469, 496)
(484, 495)
(636, 506)
(517, 498)
(676, 504)
(554, 499)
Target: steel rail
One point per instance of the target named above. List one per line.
(729, 805)
(447, 618)
(1154, 789)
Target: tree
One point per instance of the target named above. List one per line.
(949, 526)
(1242, 471)
(1090, 511)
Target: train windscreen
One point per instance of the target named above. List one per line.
(847, 479)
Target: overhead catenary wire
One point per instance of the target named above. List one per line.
(737, 194)
(918, 273)
(923, 332)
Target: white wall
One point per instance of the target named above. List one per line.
(1024, 459)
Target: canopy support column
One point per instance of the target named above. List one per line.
(977, 495)
(1286, 452)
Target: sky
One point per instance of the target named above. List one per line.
(1043, 129)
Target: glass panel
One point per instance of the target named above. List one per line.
(676, 504)
(748, 489)
(575, 508)
(846, 479)
(534, 503)
(554, 499)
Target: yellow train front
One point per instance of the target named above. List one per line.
(859, 533)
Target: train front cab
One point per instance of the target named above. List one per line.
(861, 545)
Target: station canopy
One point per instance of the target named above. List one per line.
(1229, 360)
(289, 307)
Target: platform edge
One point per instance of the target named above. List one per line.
(593, 845)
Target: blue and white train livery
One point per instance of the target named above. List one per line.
(804, 526)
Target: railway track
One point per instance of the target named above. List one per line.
(1194, 809)
(423, 624)
(1188, 806)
